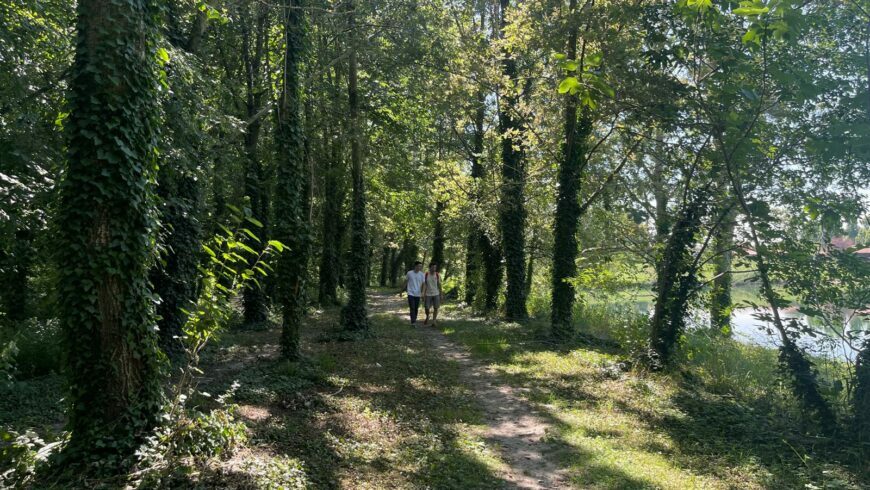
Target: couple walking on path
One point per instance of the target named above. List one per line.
(426, 287)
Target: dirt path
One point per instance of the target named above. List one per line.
(513, 427)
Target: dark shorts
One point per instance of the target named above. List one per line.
(432, 301)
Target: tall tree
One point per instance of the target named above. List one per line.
(253, 22)
(723, 250)
(578, 126)
(179, 188)
(355, 312)
(291, 189)
(332, 225)
(512, 212)
(438, 237)
(106, 223)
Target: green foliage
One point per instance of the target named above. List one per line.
(36, 349)
(292, 223)
(105, 221)
(20, 455)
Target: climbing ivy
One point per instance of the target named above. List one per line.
(106, 222)
(291, 190)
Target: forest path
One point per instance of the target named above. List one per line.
(513, 427)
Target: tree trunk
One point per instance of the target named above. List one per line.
(394, 266)
(254, 298)
(720, 293)
(332, 229)
(106, 223)
(567, 204)
(438, 240)
(473, 250)
(16, 265)
(530, 273)
(175, 278)
(792, 359)
(291, 190)
(861, 397)
(410, 250)
(676, 279)
(385, 265)
(494, 272)
(512, 212)
(355, 313)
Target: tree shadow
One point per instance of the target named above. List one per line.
(750, 432)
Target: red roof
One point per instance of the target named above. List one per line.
(842, 242)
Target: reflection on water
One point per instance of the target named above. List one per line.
(747, 328)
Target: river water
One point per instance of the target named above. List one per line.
(746, 327)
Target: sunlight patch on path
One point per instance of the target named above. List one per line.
(512, 424)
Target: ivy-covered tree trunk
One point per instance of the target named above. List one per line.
(291, 188)
(530, 275)
(472, 259)
(676, 279)
(332, 229)
(438, 236)
(494, 272)
(720, 293)
(15, 270)
(410, 250)
(179, 188)
(512, 211)
(394, 266)
(793, 362)
(106, 223)
(385, 265)
(567, 203)
(861, 397)
(355, 313)
(175, 279)
(473, 250)
(254, 299)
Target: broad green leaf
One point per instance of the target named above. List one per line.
(569, 85)
(750, 11)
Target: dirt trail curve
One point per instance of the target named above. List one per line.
(512, 424)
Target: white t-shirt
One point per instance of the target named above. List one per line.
(415, 283)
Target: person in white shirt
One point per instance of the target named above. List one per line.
(413, 286)
(432, 293)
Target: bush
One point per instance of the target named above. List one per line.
(19, 456)
(31, 351)
(39, 349)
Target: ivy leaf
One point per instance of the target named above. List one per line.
(162, 56)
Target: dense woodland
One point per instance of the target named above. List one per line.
(207, 210)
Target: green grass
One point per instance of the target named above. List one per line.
(380, 412)
(723, 422)
(387, 411)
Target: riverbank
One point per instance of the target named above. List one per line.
(399, 409)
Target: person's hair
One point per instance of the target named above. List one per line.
(433, 264)
(418, 263)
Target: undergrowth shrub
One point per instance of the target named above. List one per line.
(38, 348)
(538, 303)
(20, 456)
(615, 322)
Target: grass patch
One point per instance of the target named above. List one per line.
(723, 422)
